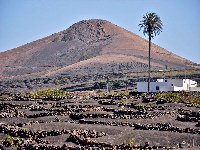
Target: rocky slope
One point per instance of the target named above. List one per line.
(87, 47)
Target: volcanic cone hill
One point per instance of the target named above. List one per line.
(87, 47)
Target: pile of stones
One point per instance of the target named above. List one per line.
(86, 133)
(8, 110)
(188, 115)
(48, 114)
(138, 126)
(148, 99)
(106, 102)
(122, 114)
(30, 139)
(161, 101)
(91, 143)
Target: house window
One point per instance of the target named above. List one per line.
(172, 85)
(157, 88)
(165, 80)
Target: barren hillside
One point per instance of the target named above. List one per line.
(87, 47)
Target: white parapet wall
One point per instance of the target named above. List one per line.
(197, 89)
(165, 85)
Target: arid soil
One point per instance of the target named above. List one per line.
(88, 47)
(90, 122)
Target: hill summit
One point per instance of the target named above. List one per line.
(88, 47)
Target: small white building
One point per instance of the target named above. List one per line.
(165, 85)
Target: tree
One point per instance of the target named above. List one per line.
(152, 26)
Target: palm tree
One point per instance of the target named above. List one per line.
(152, 26)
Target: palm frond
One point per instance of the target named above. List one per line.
(151, 24)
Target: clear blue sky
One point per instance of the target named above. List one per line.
(22, 21)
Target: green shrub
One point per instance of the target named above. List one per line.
(126, 100)
(141, 105)
(131, 142)
(11, 141)
(181, 97)
(112, 94)
(48, 94)
(6, 97)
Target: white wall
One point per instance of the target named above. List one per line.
(195, 89)
(192, 83)
(167, 85)
(187, 83)
(175, 82)
(166, 88)
(143, 87)
(176, 88)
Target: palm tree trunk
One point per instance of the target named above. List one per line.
(149, 64)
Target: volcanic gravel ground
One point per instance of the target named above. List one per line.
(97, 124)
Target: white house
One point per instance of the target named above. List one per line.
(162, 85)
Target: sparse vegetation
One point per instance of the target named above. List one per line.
(121, 93)
(112, 94)
(168, 73)
(6, 97)
(181, 97)
(113, 115)
(131, 142)
(48, 94)
(11, 141)
(141, 105)
(126, 100)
